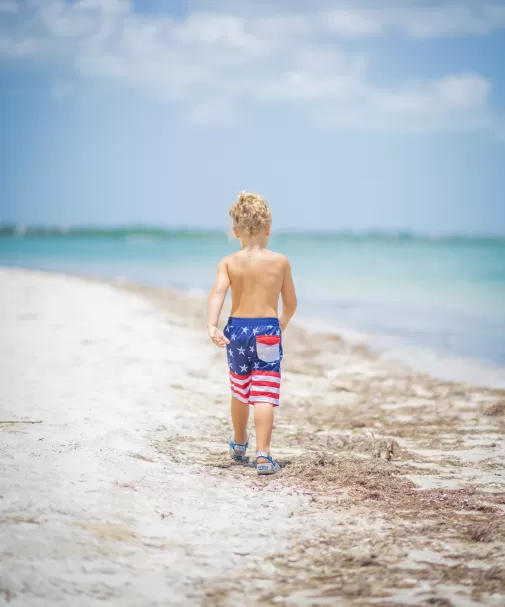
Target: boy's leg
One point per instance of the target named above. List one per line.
(239, 418)
(263, 421)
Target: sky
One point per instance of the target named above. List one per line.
(343, 114)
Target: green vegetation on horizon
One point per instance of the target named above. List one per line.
(10, 230)
(120, 231)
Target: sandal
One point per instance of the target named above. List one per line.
(266, 468)
(238, 451)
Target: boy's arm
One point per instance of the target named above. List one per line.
(288, 294)
(215, 303)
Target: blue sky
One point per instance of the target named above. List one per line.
(343, 114)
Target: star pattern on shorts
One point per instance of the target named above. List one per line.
(247, 370)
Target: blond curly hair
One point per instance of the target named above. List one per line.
(250, 214)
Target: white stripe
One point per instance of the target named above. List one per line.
(273, 380)
(240, 398)
(265, 389)
(242, 386)
(240, 381)
(244, 391)
(263, 399)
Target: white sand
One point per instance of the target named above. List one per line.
(120, 494)
(82, 518)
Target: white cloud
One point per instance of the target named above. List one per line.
(370, 18)
(214, 62)
(451, 103)
(353, 23)
(417, 20)
(317, 75)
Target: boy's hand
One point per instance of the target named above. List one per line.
(218, 337)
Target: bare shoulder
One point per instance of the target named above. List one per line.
(224, 263)
(226, 260)
(231, 259)
(279, 258)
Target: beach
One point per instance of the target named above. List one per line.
(436, 305)
(116, 486)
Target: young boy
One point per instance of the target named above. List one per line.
(253, 337)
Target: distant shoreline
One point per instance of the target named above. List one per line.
(21, 231)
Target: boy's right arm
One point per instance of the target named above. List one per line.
(288, 294)
(215, 303)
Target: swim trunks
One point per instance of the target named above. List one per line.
(254, 358)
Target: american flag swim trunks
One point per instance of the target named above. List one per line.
(254, 359)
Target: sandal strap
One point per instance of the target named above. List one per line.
(265, 455)
(239, 447)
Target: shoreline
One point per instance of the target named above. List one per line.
(392, 487)
(390, 348)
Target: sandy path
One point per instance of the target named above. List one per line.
(393, 491)
(89, 510)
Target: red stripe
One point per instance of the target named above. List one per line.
(239, 396)
(268, 340)
(240, 389)
(268, 384)
(235, 382)
(261, 393)
(271, 373)
(240, 376)
(238, 382)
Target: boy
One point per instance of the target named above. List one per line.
(253, 337)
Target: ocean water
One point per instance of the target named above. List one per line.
(437, 304)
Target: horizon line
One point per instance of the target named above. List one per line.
(20, 229)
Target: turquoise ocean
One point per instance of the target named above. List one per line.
(437, 304)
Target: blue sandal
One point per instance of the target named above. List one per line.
(266, 468)
(238, 451)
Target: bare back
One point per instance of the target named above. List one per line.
(256, 280)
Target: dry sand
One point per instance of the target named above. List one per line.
(115, 485)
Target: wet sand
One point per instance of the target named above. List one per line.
(392, 490)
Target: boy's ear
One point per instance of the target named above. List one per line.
(235, 232)
(268, 230)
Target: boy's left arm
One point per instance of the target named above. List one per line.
(215, 303)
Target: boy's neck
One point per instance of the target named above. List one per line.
(258, 241)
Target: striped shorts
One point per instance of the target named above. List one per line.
(254, 359)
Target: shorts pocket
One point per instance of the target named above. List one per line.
(268, 348)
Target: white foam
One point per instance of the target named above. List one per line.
(422, 359)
